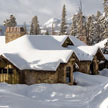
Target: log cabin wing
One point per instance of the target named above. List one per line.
(35, 61)
(46, 59)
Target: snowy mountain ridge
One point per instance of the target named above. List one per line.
(55, 22)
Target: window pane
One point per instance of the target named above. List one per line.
(4, 71)
(1, 70)
(68, 72)
(10, 71)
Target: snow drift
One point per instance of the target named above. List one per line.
(91, 92)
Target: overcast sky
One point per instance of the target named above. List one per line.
(24, 10)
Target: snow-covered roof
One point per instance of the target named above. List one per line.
(81, 55)
(40, 52)
(76, 41)
(101, 44)
(2, 41)
(36, 52)
(91, 50)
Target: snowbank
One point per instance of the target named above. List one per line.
(104, 72)
(91, 92)
(89, 80)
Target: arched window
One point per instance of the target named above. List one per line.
(68, 74)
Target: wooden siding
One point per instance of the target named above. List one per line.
(5, 76)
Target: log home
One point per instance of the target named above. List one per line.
(31, 60)
(46, 59)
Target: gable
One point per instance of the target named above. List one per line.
(67, 42)
(99, 55)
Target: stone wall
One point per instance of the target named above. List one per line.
(34, 77)
(95, 66)
(84, 66)
(58, 76)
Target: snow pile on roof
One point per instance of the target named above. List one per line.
(83, 51)
(102, 43)
(2, 41)
(91, 92)
(36, 52)
(91, 50)
(45, 52)
(76, 41)
(82, 56)
(38, 60)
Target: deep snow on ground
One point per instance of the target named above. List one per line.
(91, 92)
(104, 72)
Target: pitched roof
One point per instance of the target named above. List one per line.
(36, 52)
(2, 41)
(81, 55)
(45, 52)
(101, 44)
(91, 50)
(76, 41)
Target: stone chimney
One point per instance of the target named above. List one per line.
(83, 38)
(13, 33)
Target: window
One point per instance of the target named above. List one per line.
(10, 71)
(68, 74)
(1, 71)
(6, 71)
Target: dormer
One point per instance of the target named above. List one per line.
(67, 42)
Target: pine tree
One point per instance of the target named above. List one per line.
(63, 22)
(35, 28)
(10, 22)
(74, 29)
(25, 28)
(53, 33)
(106, 7)
(47, 32)
(90, 30)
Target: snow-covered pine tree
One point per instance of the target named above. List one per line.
(47, 32)
(10, 22)
(53, 33)
(105, 21)
(35, 28)
(105, 49)
(63, 22)
(90, 29)
(74, 29)
(106, 7)
(25, 28)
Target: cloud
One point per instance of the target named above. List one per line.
(24, 10)
(45, 11)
